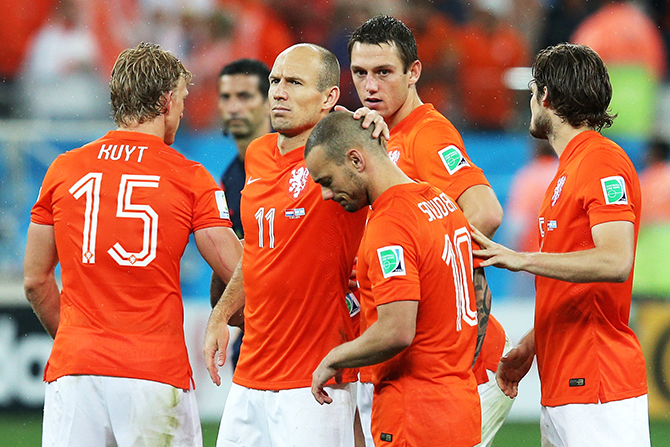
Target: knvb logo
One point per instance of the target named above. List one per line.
(297, 182)
(394, 155)
(392, 260)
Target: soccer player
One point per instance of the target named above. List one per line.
(593, 375)
(117, 214)
(415, 275)
(427, 147)
(292, 281)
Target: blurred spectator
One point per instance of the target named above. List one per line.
(653, 245)
(233, 30)
(436, 39)
(489, 46)
(308, 21)
(562, 18)
(60, 77)
(660, 13)
(655, 184)
(631, 46)
(523, 206)
(18, 25)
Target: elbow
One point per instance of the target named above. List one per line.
(622, 273)
(401, 340)
(31, 288)
(490, 223)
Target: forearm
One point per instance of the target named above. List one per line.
(377, 344)
(528, 341)
(483, 301)
(593, 265)
(232, 301)
(44, 298)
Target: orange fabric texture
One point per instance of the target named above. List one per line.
(427, 147)
(586, 352)
(123, 208)
(417, 247)
(298, 255)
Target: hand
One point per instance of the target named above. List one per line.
(495, 254)
(215, 345)
(513, 367)
(369, 117)
(322, 374)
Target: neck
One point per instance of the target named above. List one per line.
(562, 135)
(154, 127)
(411, 103)
(286, 143)
(384, 177)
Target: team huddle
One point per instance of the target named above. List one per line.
(360, 282)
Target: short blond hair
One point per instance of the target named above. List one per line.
(141, 78)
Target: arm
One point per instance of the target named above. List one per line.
(483, 300)
(217, 286)
(216, 335)
(611, 260)
(482, 209)
(515, 365)
(39, 281)
(393, 331)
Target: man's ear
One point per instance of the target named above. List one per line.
(355, 157)
(414, 72)
(332, 98)
(545, 97)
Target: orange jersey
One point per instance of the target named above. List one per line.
(123, 208)
(427, 147)
(417, 246)
(586, 352)
(298, 255)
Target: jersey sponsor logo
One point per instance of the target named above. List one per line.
(352, 304)
(252, 180)
(294, 213)
(222, 204)
(558, 189)
(614, 189)
(394, 155)
(392, 260)
(453, 159)
(297, 182)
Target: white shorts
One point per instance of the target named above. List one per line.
(97, 411)
(619, 423)
(495, 405)
(286, 418)
(365, 392)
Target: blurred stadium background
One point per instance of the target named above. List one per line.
(55, 56)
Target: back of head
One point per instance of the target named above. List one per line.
(338, 132)
(141, 78)
(386, 29)
(329, 71)
(251, 67)
(577, 82)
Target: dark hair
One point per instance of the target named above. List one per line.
(338, 132)
(250, 67)
(578, 86)
(141, 78)
(386, 29)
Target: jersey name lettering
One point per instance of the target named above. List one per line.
(116, 151)
(438, 207)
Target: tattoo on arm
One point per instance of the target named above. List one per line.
(483, 300)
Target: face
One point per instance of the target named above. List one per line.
(175, 112)
(296, 105)
(338, 183)
(540, 122)
(242, 106)
(378, 75)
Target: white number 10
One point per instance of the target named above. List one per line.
(454, 255)
(90, 185)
